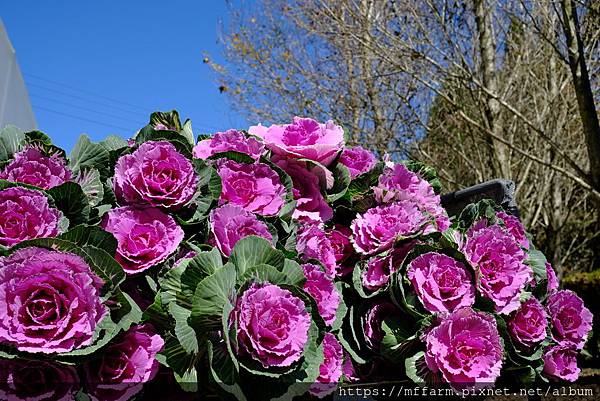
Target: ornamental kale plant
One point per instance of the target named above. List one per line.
(272, 263)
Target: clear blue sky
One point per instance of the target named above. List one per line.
(111, 63)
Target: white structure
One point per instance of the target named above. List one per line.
(15, 108)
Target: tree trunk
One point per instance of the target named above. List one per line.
(583, 89)
(487, 51)
(585, 103)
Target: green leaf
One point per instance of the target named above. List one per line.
(152, 284)
(294, 273)
(523, 374)
(70, 199)
(176, 357)
(262, 274)
(341, 310)
(291, 275)
(229, 330)
(413, 368)
(184, 333)
(157, 315)
(169, 119)
(105, 265)
(210, 297)
(349, 338)
(206, 262)
(9, 184)
(8, 352)
(127, 312)
(473, 212)
(88, 155)
(91, 185)
(187, 132)
(361, 185)
(208, 190)
(223, 371)
(38, 136)
(180, 143)
(113, 142)
(341, 182)
(179, 283)
(81, 396)
(537, 261)
(252, 251)
(188, 381)
(400, 336)
(11, 139)
(91, 235)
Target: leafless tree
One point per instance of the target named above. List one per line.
(479, 89)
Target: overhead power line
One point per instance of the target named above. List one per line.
(97, 95)
(37, 107)
(75, 106)
(53, 91)
(82, 98)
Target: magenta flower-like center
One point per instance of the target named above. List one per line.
(114, 364)
(569, 318)
(534, 320)
(447, 280)
(44, 306)
(244, 187)
(11, 225)
(302, 132)
(466, 351)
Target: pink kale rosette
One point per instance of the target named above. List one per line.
(322, 288)
(310, 202)
(272, 325)
(499, 263)
(465, 348)
(313, 243)
(230, 140)
(527, 326)
(31, 166)
(560, 363)
(125, 365)
(399, 183)
(230, 223)
(330, 371)
(26, 214)
(380, 227)
(379, 269)
(571, 320)
(49, 301)
(304, 138)
(358, 160)
(155, 174)
(22, 379)
(441, 283)
(256, 188)
(372, 321)
(145, 236)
